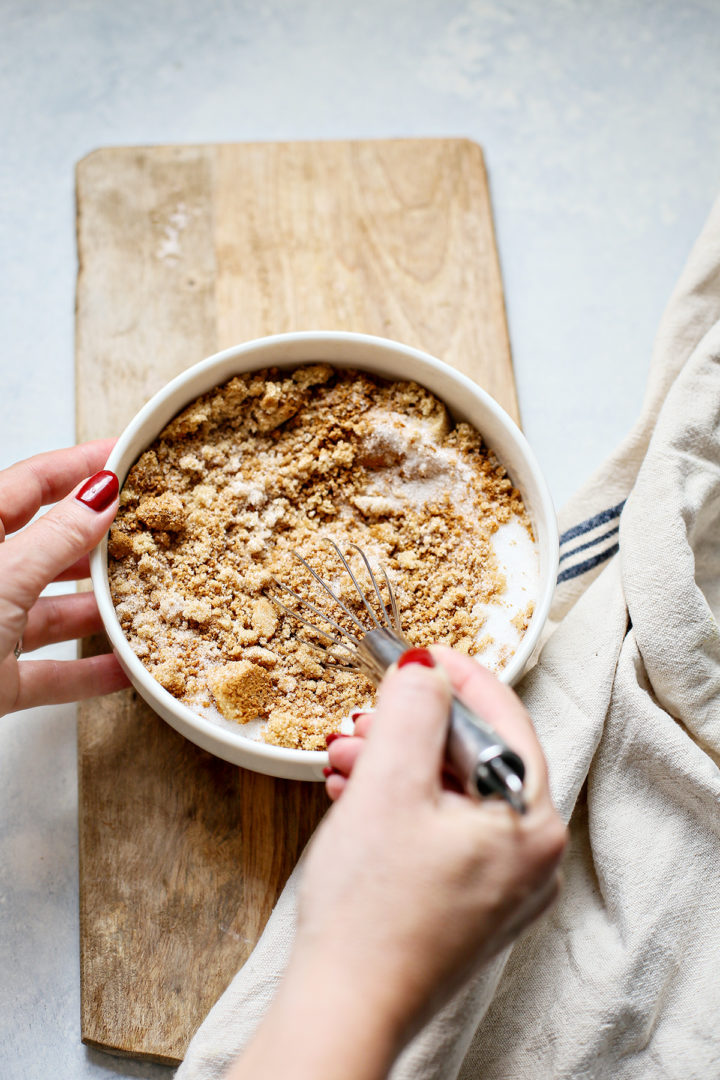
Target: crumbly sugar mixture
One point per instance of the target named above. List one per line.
(276, 461)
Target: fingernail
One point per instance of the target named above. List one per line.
(99, 491)
(416, 656)
(333, 736)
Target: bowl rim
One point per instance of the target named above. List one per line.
(153, 692)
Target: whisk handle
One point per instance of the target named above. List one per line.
(482, 762)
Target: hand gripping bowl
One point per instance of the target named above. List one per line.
(388, 359)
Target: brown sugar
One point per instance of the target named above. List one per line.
(274, 462)
(242, 690)
(164, 512)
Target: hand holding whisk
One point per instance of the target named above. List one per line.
(474, 752)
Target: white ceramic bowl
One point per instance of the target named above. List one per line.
(465, 400)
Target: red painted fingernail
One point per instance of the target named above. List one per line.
(416, 656)
(333, 736)
(99, 491)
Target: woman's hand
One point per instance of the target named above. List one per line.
(408, 886)
(53, 548)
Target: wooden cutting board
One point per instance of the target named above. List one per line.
(185, 250)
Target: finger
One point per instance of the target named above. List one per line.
(61, 618)
(343, 753)
(44, 479)
(54, 682)
(363, 724)
(335, 785)
(69, 530)
(409, 730)
(500, 706)
(77, 572)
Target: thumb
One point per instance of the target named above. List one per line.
(410, 726)
(32, 558)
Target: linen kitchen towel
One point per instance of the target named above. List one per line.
(620, 979)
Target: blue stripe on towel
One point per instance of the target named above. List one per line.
(575, 571)
(591, 523)
(590, 543)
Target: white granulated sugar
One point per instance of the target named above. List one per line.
(426, 471)
(171, 606)
(519, 561)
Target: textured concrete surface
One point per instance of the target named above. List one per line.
(599, 124)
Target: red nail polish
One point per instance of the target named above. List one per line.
(99, 491)
(333, 736)
(416, 656)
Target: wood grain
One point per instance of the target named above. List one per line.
(392, 238)
(175, 891)
(183, 251)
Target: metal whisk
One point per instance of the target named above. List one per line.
(475, 753)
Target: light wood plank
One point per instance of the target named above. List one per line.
(391, 238)
(182, 251)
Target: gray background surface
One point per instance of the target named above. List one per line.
(599, 121)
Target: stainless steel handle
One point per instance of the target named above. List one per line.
(483, 762)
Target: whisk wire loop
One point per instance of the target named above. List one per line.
(393, 601)
(327, 653)
(331, 594)
(316, 611)
(355, 581)
(385, 627)
(373, 579)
